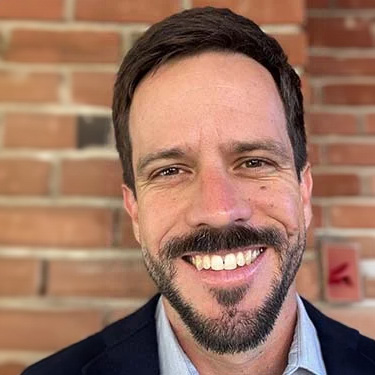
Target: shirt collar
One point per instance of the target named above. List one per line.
(304, 354)
(172, 358)
(305, 351)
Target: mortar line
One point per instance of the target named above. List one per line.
(69, 10)
(186, 4)
(2, 130)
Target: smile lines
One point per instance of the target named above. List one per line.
(227, 262)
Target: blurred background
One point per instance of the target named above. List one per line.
(68, 262)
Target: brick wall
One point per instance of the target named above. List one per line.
(341, 123)
(68, 261)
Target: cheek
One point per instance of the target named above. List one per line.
(283, 204)
(157, 217)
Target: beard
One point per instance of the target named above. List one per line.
(235, 330)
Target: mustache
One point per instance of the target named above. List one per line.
(210, 240)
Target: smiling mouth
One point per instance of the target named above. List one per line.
(229, 261)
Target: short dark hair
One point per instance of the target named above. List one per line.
(201, 30)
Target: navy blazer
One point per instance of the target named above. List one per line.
(129, 346)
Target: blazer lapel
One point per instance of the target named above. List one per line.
(131, 346)
(339, 346)
(135, 355)
(355, 362)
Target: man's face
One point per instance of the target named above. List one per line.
(217, 189)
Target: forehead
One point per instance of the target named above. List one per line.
(214, 94)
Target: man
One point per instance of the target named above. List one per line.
(209, 126)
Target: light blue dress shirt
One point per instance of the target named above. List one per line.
(305, 356)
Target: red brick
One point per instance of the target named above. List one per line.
(370, 123)
(127, 236)
(355, 4)
(24, 177)
(31, 9)
(63, 46)
(28, 87)
(125, 10)
(315, 222)
(314, 94)
(317, 216)
(369, 287)
(314, 152)
(360, 318)
(39, 131)
(339, 32)
(270, 11)
(11, 368)
(371, 183)
(115, 278)
(56, 226)
(19, 276)
(331, 123)
(351, 153)
(295, 46)
(311, 4)
(350, 216)
(45, 330)
(91, 177)
(306, 89)
(349, 94)
(93, 88)
(328, 185)
(119, 313)
(365, 245)
(336, 65)
(308, 281)
(310, 237)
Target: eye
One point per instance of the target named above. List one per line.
(170, 171)
(257, 167)
(254, 163)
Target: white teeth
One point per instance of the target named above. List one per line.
(240, 259)
(198, 262)
(228, 262)
(206, 262)
(217, 263)
(248, 257)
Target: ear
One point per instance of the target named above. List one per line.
(131, 207)
(306, 190)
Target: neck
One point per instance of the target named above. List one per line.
(270, 358)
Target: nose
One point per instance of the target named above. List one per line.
(217, 201)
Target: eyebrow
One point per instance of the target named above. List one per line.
(272, 146)
(172, 153)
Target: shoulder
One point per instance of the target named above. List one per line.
(70, 360)
(331, 329)
(342, 345)
(73, 359)
(367, 347)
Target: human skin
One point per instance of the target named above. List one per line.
(203, 106)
